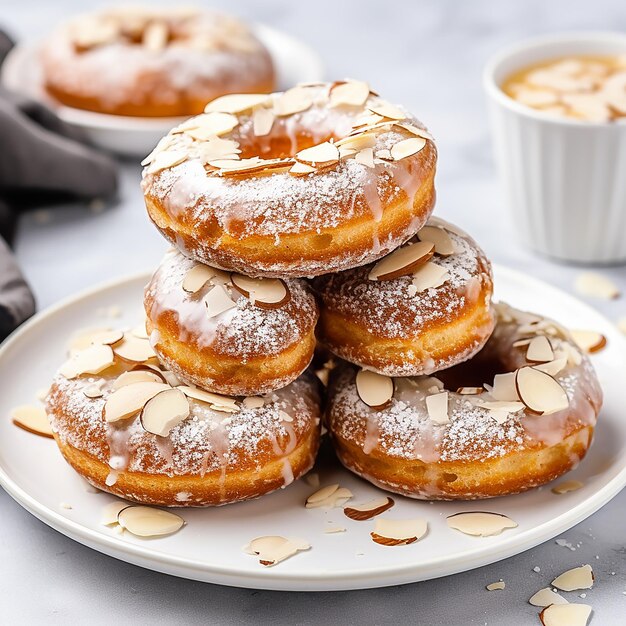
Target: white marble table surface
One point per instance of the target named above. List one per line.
(427, 55)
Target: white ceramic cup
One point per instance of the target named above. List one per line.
(564, 179)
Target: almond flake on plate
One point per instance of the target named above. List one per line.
(274, 549)
(539, 350)
(375, 390)
(429, 276)
(130, 399)
(331, 530)
(369, 510)
(218, 301)
(566, 486)
(442, 241)
(32, 419)
(576, 578)
(262, 121)
(589, 341)
(406, 148)
(546, 597)
(495, 586)
(145, 521)
(267, 293)
(164, 411)
(328, 497)
(391, 532)
(403, 261)
(91, 360)
(480, 523)
(539, 391)
(218, 402)
(596, 286)
(350, 93)
(437, 407)
(110, 512)
(236, 103)
(565, 615)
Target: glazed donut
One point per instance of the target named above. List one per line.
(150, 62)
(408, 315)
(203, 328)
(217, 450)
(429, 438)
(313, 180)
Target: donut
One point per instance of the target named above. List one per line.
(317, 179)
(228, 333)
(519, 414)
(424, 307)
(151, 62)
(129, 432)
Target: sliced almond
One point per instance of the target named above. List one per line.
(32, 419)
(384, 155)
(130, 399)
(166, 159)
(91, 360)
(566, 486)
(385, 109)
(292, 101)
(140, 331)
(93, 391)
(416, 130)
(406, 148)
(391, 532)
(369, 510)
(429, 276)
(155, 36)
(501, 410)
(470, 391)
(437, 407)
(539, 350)
(565, 615)
(236, 103)
(111, 511)
(589, 341)
(253, 402)
(214, 148)
(331, 530)
(504, 389)
(145, 521)
(480, 523)
(164, 411)
(596, 285)
(218, 301)
(444, 245)
(214, 124)
(301, 169)
(107, 337)
(546, 597)
(197, 277)
(349, 93)
(274, 549)
(358, 142)
(133, 349)
(262, 121)
(252, 165)
(403, 261)
(267, 293)
(495, 586)
(365, 157)
(328, 497)
(553, 367)
(218, 402)
(576, 578)
(376, 390)
(539, 391)
(137, 376)
(320, 154)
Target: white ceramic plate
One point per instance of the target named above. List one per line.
(208, 548)
(295, 62)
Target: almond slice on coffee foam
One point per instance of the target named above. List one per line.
(164, 411)
(267, 293)
(376, 390)
(480, 523)
(33, 419)
(129, 400)
(390, 532)
(403, 261)
(145, 521)
(91, 360)
(539, 391)
(369, 510)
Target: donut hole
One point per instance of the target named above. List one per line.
(481, 369)
(320, 242)
(449, 478)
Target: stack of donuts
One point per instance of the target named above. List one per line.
(303, 241)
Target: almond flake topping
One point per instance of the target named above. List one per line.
(350, 93)
(210, 124)
(262, 121)
(32, 419)
(385, 109)
(365, 157)
(565, 615)
(328, 497)
(437, 407)
(91, 360)
(573, 579)
(539, 350)
(236, 103)
(301, 169)
(539, 391)
(218, 402)
(133, 349)
(552, 367)
(267, 293)
(480, 523)
(93, 391)
(274, 549)
(403, 261)
(444, 245)
(164, 411)
(470, 391)
(155, 36)
(127, 401)
(166, 159)
(391, 532)
(218, 301)
(137, 376)
(500, 410)
(198, 276)
(406, 148)
(546, 597)
(596, 286)
(322, 154)
(369, 510)
(145, 521)
(376, 390)
(429, 276)
(253, 402)
(294, 100)
(504, 389)
(589, 341)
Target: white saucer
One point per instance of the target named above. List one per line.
(295, 62)
(208, 548)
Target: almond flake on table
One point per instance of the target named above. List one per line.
(496, 586)
(574, 579)
(565, 615)
(546, 597)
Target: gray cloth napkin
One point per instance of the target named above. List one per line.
(41, 162)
